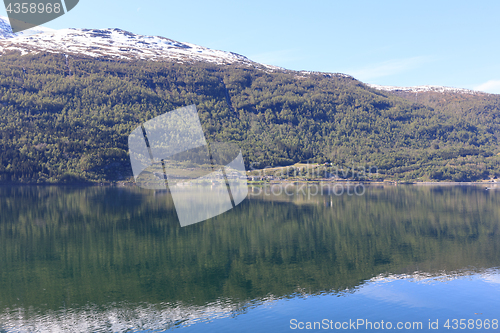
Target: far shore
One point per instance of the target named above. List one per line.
(281, 182)
(370, 182)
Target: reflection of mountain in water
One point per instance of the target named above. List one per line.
(71, 247)
(125, 317)
(116, 317)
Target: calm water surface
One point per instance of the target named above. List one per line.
(116, 260)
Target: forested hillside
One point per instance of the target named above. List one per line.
(67, 119)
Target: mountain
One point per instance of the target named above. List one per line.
(124, 45)
(70, 98)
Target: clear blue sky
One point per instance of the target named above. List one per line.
(402, 43)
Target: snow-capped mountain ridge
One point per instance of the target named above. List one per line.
(426, 88)
(115, 44)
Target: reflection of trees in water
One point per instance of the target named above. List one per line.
(100, 245)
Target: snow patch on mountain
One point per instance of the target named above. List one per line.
(429, 88)
(6, 30)
(304, 74)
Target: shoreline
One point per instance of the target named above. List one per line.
(368, 182)
(282, 182)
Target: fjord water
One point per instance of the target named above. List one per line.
(109, 259)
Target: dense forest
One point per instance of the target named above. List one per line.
(67, 119)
